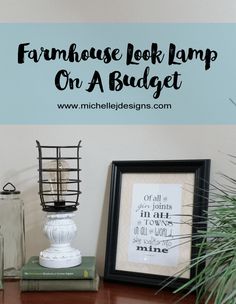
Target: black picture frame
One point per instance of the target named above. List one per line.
(136, 175)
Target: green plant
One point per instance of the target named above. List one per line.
(217, 280)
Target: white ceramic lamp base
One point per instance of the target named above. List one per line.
(60, 230)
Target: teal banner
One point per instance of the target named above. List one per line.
(118, 74)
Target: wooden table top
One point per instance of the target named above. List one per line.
(109, 293)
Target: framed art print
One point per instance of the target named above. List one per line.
(156, 208)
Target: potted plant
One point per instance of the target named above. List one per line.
(216, 282)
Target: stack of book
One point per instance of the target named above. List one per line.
(79, 278)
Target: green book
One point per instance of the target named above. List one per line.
(60, 285)
(33, 271)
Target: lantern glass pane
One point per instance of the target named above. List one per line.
(12, 229)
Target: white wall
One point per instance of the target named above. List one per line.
(102, 144)
(117, 11)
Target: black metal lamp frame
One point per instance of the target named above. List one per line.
(66, 201)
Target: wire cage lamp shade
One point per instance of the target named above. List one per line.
(59, 181)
